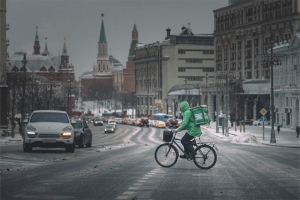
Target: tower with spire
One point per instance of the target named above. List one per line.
(46, 52)
(129, 72)
(103, 65)
(64, 56)
(134, 40)
(36, 46)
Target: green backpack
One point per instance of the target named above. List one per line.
(201, 115)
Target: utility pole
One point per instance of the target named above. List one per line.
(271, 59)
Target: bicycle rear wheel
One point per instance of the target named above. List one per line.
(206, 157)
(166, 155)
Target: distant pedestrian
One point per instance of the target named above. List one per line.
(278, 128)
(298, 131)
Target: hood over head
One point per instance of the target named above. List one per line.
(184, 106)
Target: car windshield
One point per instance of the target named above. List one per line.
(49, 117)
(78, 124)
(108, 126)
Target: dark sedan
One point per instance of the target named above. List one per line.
(109, 128)
(83, 134)
(172, 123)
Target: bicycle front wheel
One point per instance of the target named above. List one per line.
(166, 155)
(206, 157)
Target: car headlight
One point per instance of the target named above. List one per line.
(66, 135)
(31, 128)
(68, 128)
(104, 129)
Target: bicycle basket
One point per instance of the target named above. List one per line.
(167, 136)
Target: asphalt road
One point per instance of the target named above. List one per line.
(121, 165)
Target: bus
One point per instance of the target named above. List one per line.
(160, 117)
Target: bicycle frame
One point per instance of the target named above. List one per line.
(212, 144)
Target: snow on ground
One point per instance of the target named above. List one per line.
(245, 138)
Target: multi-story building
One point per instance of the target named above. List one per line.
(287, 83)
(162, 66)
(242, 31)
(54, 77)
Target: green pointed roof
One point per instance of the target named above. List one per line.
(102, 38)
(134, 27)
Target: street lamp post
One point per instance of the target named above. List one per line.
(166, 100)
(227, 75)
(51, 80)
(24, 61)
(185, 80)
(271, 59)
(206, 102)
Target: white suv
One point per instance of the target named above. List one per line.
(50, 129)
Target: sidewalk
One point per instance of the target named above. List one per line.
(254, 135)
(8, 139)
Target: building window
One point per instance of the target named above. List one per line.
(208, 52)
(286, 102)
(208, 69)
(181, 51)
(181, 69)
(193, 60)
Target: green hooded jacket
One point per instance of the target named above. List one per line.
(189, 120)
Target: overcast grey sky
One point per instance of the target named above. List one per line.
(80, 20)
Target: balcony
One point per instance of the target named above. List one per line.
(7, 26)
(7, 42)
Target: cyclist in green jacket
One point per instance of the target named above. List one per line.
(193, 130)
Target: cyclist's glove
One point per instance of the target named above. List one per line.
(176, 130)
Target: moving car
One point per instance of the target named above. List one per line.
(109, 128)
(88, 119)
(82, 134)
(144, 121)
(112, 122)
(161, 124)
(98, 121)
(50, 129)
(172, 123)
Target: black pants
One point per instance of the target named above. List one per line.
(186, 142)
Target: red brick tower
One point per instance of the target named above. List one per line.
(129, 72)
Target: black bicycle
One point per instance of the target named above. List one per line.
(166, 155)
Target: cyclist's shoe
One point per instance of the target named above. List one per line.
(183, 156)
(191, 156)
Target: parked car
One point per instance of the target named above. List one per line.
(260, 122)
(109, 128)
(50, 129)
(144, 121)
(82, 133)
(98, 121)
(247, 122)
(172, 123)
